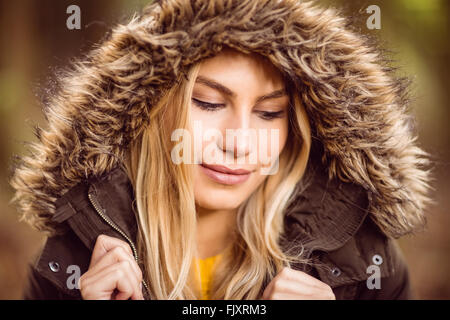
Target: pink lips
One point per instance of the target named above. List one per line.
(225, 175)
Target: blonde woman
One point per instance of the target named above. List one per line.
(143, 195)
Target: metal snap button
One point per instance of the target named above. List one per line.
(377, 259)
(336, 272)
(54, 266)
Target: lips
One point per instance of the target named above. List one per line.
(225, 175)
(223, 169)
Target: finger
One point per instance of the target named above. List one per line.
(267, 291)
(105, 243)
(283, 288)
(299, 276)
(294, 276)
(102, 286)
(136, 293)
(269, 287)
(288, 296)
(287, 287)
(117, 276)
(113, 256)
(135, 275)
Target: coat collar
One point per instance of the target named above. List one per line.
(325, 216)
(325, 213)
(113, 196)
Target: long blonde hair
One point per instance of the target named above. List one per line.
(166, 211)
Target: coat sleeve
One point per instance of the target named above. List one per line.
(397, 286)
(39, 288)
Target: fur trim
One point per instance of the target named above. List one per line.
(358, 110)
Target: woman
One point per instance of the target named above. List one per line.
(145, 196)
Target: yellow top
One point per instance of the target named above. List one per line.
(206, 268)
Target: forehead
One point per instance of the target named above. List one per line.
(231, 63)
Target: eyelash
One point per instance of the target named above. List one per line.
(271, 115)
(215, 106)
(208, 106)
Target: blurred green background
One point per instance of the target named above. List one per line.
(35, 42)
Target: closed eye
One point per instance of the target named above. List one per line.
(208, 106)
(266, 115)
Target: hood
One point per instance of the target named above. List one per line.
(357, 109)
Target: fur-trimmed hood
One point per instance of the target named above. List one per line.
(358, 111)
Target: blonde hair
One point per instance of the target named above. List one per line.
(166, 211)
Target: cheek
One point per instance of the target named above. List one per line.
(274, 141)
(206, 127)
(209, 119)
(283, 130)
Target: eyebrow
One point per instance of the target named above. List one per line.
(215, 85)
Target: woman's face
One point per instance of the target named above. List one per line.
(246, 94)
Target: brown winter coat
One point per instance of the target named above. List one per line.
(368, 186)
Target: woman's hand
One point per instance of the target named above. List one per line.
(292, 284)
(113, 274)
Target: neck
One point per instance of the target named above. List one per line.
(215, 229)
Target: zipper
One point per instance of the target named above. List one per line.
(99, 211)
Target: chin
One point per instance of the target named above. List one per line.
(218, 201)
(222, 205)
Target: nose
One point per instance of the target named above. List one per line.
(239, 137)
(242, 142)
